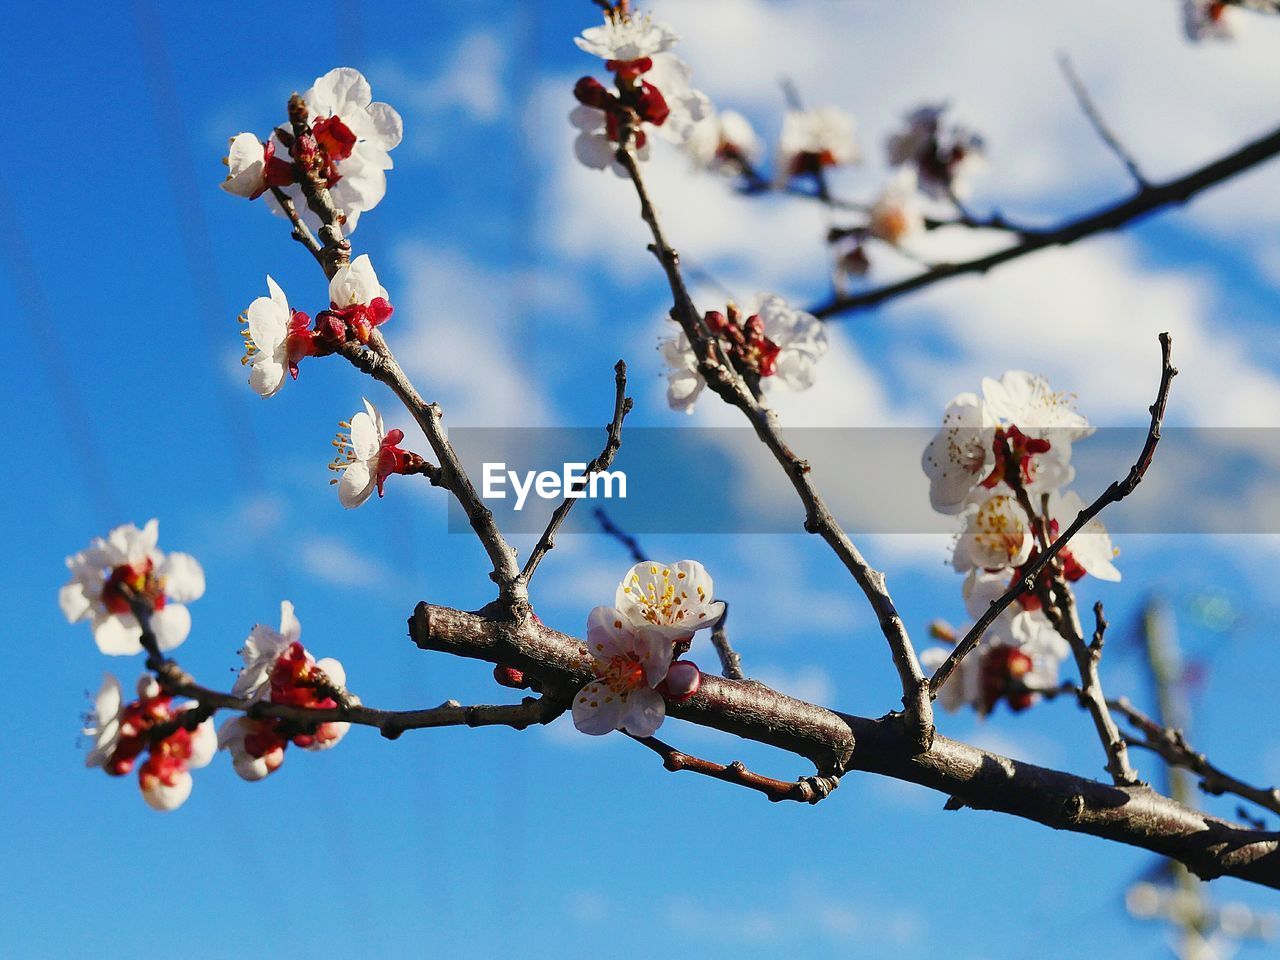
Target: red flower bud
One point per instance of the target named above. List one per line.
(591, 92)
(509, 677)
(651, 105)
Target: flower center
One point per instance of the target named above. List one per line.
(661, 604)
(131, 581)
(623, 673)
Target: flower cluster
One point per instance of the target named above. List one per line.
(123, 583)
(773, 342)
(651, 91)
(278, 669)
(110, 575)
(277, 337)
(346, 147)
(635, 646)
(1001, 462)
(121, 732)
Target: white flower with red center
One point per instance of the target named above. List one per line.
(253, 168)
(1208, 20)
(357, 136)
(943, 156)
(123, 732)
(812, 140)
(895, 216)
(110, 575)
(725, 142)
(960, 455)
(1019, 656)
(676, 600)
(1036, 426)
(276, 339)
(997, 536)
(776, 342)
(368, 454)
(1090, 551)
(357, 298)
(279, 669)
(652, 92)
(264, 646)
(630, 662)
(625, 38)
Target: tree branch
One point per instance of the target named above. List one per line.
(837, 743)
(1145, 201)
(730, 661)
(621, 407)
(725, 382)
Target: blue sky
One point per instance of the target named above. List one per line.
(519, 279)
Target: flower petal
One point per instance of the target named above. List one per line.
(171, 625)
(183, 577)
(597, 710)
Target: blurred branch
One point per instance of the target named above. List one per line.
(1145, 201)
(1099, 125)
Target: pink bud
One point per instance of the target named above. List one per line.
(682, 682)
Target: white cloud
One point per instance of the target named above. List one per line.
(470, 81)
(462, 343)
(331, 561)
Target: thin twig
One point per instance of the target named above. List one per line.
(1172, 747)
(621, 407)
(1104, 132)
(725, 382)
(301, 232)
(380, 363)
(1154, 197)
(1113, 494)
(730, 661)
(805, 790)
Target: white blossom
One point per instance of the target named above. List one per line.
(127, 563)
(267, 344)
(960, 455)
(895, 215)
(628, 38)
(997, 536)
(813, 139)
(800, 337)
(723, 141)
(674, 599)
(630, 662)
(261, 650)
(343, 94)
